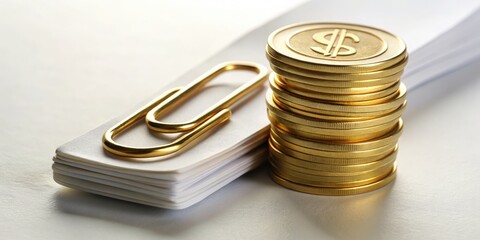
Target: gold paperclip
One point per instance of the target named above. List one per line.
(194, 129)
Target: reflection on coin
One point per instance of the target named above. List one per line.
(387, 139)
(296, 163)
(378, 95)
(335, 105)
(340, 123)
(336, 161)
(332, 181)
(335, 47)
(274, 64)
(311, 83)
(334, 191)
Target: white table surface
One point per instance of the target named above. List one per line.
(67, 67)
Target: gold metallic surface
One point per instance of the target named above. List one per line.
(339, 138)
(334, 138)
(334, 191)
(289, 162)
(390, 138)
(282, 162)
(278, 112)
(335, 47)
(335, 105)
(296, 127)
(352, 180)
(334, 115)
(303, 165)
(287, 83)
(198, 84)
(380, 94)
(195, 129)
(326, 116)
(328, 160)
(334, 154)
(311, 83)
(274, 64)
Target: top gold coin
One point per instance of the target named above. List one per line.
(335, 47)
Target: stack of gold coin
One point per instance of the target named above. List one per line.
(335, 104)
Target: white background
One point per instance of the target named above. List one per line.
(68, 67)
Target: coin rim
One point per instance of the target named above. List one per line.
(396, 49)
(334, 191)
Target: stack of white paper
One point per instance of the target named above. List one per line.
(178, 188)
(181, 180)
(176, 181)
(237, 146)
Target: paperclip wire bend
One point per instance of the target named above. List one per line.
(197, 132)
(111, 146)
(196, 85)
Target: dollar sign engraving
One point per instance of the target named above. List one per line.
(335, 41)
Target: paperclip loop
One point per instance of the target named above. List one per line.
(194, 129)
(193, 87)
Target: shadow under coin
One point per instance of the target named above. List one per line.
(344, 217)
(361, 216)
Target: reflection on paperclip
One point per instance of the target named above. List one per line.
(193, 129)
